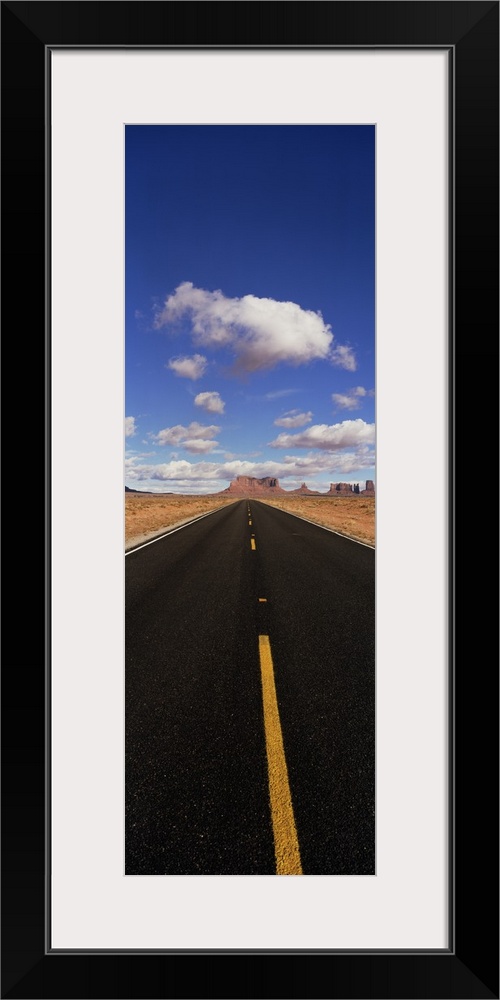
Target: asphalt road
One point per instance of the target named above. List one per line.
(197, 747)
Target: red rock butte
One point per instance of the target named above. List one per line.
(248, 486)
(304, 491)
(245, 486)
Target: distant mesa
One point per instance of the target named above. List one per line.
(342, 488)
(346, 488)
(244, 486)
(249, 486)
(148, 493)
(304, 491)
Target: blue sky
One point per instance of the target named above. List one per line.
(250, 305)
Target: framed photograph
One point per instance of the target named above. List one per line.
(231, 446)
(209, 215)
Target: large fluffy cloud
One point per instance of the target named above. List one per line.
(293, 418)
(188, 366)
(208, 477)
(210, 401)
(259, 333)
(196, 438)
(333, 437)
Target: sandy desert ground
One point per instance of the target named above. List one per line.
(148, 514)
(351, 515)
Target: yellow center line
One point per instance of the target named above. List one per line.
(286, 845)
(252, 543)
(264, 599)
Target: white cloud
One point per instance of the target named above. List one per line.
(130, 428)
(163, 471)
(196, 438)
(343, 357)
(345, 402)
(351, 399)
(210, 401)
(206, 477)
(259, 332)
(293, 418)
(350, 433)
(199, 447)
(188, 366)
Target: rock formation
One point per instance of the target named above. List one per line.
(304, 491)
(370, 488)
(244, 486)
(249, 486)
(340, 488)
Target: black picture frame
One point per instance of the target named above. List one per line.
(469, 969)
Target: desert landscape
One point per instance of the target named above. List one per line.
(147, 514)
(352, 515)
